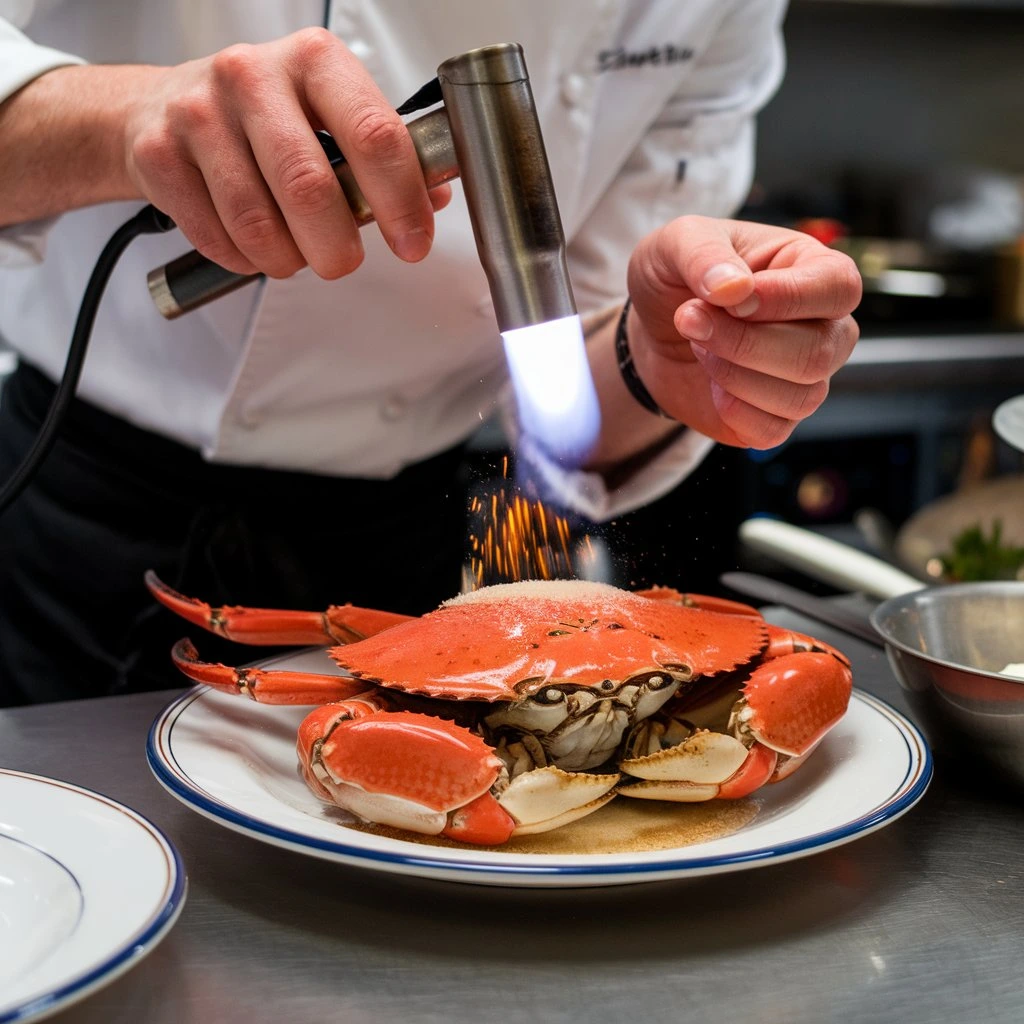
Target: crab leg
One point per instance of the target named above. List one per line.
(267, 686)
(788, 704)
(339, 624)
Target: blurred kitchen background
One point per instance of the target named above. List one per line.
(898, 135)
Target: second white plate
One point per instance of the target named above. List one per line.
(87, 888)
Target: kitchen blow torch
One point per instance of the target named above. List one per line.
(487, 133)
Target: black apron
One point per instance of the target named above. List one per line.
(113, 500)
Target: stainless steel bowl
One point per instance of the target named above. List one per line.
(947, 646)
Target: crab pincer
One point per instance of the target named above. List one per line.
(403, 769)
(429, 775)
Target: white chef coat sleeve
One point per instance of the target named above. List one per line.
(696, 157)
(21, 61)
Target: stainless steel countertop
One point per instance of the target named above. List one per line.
(921, 921)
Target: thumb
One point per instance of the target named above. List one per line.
(698, 252)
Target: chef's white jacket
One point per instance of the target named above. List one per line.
(647, 109)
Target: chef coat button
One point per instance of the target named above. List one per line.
(394, 408)
(574, 88)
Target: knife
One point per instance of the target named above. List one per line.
(817, 608)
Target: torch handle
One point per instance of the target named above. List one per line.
(192, 280)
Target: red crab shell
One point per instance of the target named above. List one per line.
(508, 641)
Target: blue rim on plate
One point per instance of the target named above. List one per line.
(179, 783)
(134, 946)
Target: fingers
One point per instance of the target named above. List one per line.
(781, 399)
(170, 178)
(764, 378)
(247, 209)
(756, 271)
(747, 322)
(315, 219)
(199, 221)
(698, 253)
(804, 352)
(226, 146)
(822, 284)
(375, 142)
(748, 425)
(271, 184)
(298, 206)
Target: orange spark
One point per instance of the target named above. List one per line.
(513, 539)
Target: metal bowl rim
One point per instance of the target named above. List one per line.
(901, 601)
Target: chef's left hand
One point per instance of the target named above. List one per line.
(736, 328)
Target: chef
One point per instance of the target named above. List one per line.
(299, 441)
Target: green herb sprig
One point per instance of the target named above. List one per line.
(974, 556)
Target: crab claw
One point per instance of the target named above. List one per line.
(704, 766)
(546, 798)
(407, 770)
(790, 702)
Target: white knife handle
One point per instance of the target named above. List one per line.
(826, 560)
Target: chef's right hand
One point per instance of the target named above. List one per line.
(225, 146)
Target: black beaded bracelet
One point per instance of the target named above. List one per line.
(629, 375)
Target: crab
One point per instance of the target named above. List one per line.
(520, 707)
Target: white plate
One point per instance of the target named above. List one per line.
(234, 761)
(1008, 421)
(87, 888)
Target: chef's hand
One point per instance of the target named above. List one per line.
(736, 328)
(225, 146)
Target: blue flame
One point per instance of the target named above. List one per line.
(555, 394)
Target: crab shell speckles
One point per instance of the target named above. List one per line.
(508, 641)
